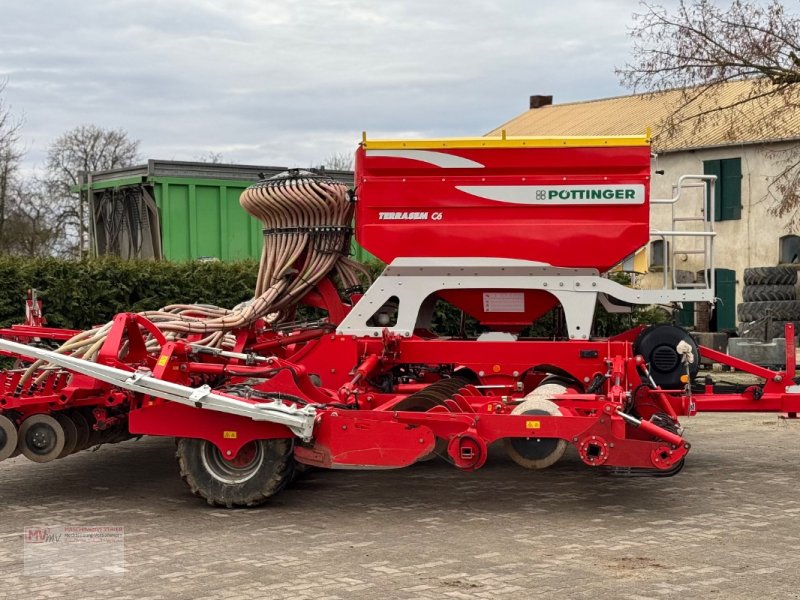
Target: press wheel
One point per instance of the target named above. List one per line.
(41, 438)
(8, 437)
(535, 452)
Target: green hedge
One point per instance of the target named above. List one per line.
(80, 294)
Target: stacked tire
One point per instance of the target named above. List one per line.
(770, 301)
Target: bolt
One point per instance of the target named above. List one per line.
(480, 373)
(228, 452)
(515, 373)
(344, 427)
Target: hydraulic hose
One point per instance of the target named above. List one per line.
(306, 222)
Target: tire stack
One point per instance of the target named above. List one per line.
(770, 301)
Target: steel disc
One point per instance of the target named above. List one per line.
(8, 437)
(41, 438)
(83, 428)
(70, 434)
(427, 398)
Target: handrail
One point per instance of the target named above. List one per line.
(708, 184)
(679, 186)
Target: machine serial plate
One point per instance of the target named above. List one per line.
(503, 302)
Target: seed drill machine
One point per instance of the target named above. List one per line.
(322, 369)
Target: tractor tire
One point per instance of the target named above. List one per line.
(263, 469)
(768, 293)
(770, 276)
(782, 310)
(765, 329)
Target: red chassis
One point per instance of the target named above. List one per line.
(360, 389)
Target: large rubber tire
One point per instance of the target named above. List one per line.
(768, 293)
(783, 310)
(222, 483)
(765, 329)
(770, 276)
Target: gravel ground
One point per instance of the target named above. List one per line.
(726, 527)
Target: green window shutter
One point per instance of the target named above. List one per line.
(724, 316)
(685, 316)
(712, 167)
(731, 189)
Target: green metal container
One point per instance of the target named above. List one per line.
(177, 210)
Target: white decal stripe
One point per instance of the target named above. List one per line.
(557, 195)
(440, 159)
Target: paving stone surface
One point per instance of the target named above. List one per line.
(728, 526)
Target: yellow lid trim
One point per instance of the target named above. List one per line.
(505, 141)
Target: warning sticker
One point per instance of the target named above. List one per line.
(504, 302)
(533, 424)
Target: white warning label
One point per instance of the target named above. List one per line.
(504, 302)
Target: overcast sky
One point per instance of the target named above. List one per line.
(290, 82)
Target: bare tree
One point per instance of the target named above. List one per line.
(700, 45)
(85, 149)
(10, 156)
(339, 161)
(211, 157)
(33, 228)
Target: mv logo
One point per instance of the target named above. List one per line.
(41, 535)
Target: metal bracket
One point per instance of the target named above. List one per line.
(300, 420)
(199, 394)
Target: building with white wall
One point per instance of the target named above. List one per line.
(745, 160)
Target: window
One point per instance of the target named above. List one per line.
(789, 249)
(728, 190)
(657, 255)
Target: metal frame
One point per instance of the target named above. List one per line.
(412, 280)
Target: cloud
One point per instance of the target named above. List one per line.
(290, 82)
